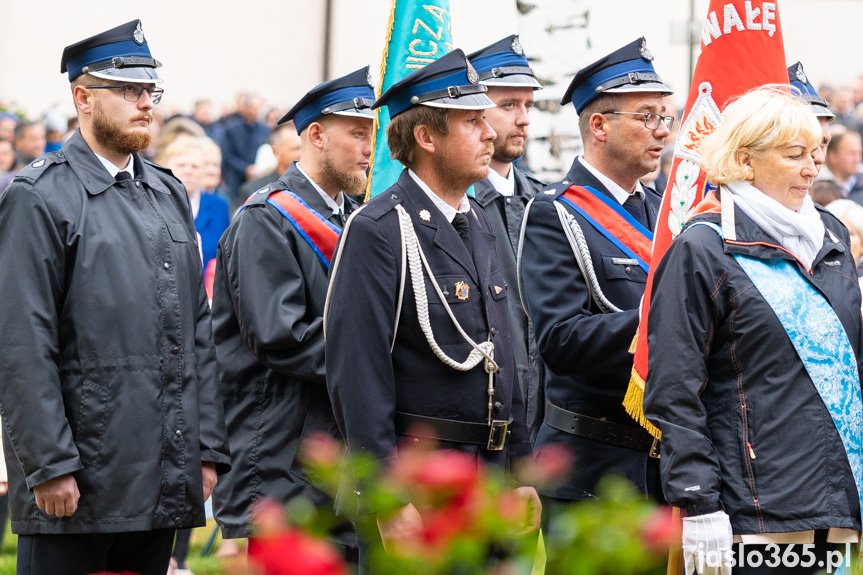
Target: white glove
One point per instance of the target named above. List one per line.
(707, 544)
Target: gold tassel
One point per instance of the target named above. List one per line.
(633, 403)
(634, 344)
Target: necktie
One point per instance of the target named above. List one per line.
(634, 204)
(462, 226)
(123, 175)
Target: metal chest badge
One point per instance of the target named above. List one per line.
(462, 290)
(425, 215)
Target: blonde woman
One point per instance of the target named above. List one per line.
(755, 339)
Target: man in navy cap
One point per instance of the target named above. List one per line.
(268, 303)
(112, 417)
(503, 68)
(583, 270)
(426, 359)
(821, 107)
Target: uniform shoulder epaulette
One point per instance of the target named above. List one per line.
(552, 191)
(34, 170)
(382, 204)
(259, 196)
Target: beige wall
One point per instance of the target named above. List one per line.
(216, 48)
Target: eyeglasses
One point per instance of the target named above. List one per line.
(132, 93)
(651, 120)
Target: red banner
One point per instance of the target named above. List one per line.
(741, 49)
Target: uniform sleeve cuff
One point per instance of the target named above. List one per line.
(46, 474)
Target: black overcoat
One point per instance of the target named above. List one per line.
(268, 303)
(107, 360)
(505, 214)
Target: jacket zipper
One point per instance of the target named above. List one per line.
(749, 470)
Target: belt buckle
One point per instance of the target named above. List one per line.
(654, 449)
(498, 431)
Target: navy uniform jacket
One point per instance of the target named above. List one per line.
(268, 304)
(505, 214)
(367, 383)
(585, 351)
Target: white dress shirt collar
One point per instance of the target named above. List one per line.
(504, 186)
(616, 191)
(114, 170)
(336, 207)
(448, 211)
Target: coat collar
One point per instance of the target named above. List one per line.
(485, 192)
(295, 181)
(93, 174)
(743, 236)
(581, 176)
(434, 228)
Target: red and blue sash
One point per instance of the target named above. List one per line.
(315, 229)
(612, 221)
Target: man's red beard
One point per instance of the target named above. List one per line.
(351, 184)
(112, 134)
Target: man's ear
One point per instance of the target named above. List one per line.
(425, 138)
(83, 99)
(598, 126)
(316, 135)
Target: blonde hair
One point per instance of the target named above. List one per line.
(179, 145)
(760, 120)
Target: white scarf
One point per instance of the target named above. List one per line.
(800, 232)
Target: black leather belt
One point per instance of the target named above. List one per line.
(493, 437)
(601, 430)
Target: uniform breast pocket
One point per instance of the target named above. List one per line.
(464, 301)
(622, 268)
(497, 286)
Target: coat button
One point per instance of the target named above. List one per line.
(167, 266)
(508, 201)
(137, 184)
(493, 332)
(628, 270)
(178, 433)
(497, 406)
(178, 521)
(175, 350)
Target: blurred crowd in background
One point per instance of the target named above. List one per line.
(222, 156)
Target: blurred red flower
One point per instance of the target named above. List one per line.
(322, 450)
(295, 553)
(662, 530)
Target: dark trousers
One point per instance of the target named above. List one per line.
(181, 546)
(142, 552)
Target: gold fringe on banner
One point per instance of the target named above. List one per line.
(633, 401)
(378, 89)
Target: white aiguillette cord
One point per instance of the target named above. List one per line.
(416, 260)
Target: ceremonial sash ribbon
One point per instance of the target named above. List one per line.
(315, 229)
(611, 220)
(820, 341)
